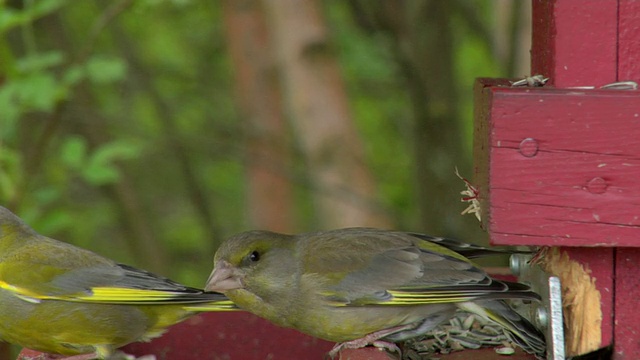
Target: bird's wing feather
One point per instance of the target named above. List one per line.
(76, 274)
(470, 251)
(383, 268)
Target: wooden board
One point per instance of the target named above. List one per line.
(575, 41)
(558, 167)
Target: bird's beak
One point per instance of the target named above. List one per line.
(223, 277)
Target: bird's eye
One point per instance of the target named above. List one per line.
(254, 256)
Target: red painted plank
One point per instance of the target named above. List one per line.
(629, 41)
(627, 262)
(245, 336)
(541, 192)
(562, 166)
(235, 335)
(575, 41)
(368, 353)
(627, 330)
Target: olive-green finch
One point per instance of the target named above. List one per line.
(58, 298)
(361, 286)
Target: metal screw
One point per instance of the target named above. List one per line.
(542, 317)
(518, 263)
(514, 264)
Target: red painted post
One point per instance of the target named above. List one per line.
(551, 164)
(627, 285)
(574, 41)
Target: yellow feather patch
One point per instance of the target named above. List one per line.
(119, 295)
(224, 305)
(108, 294)
(424, 298)
(24, 294)
(105, 294)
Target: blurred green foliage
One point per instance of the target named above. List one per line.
(98, 99)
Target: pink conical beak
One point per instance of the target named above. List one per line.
(223, 277)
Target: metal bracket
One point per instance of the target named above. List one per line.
(546, 315)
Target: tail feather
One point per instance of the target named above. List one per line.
(470, 251)
(516, 327)
(214, 306)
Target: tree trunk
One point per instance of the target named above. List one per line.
(317, 106)
(267, 145)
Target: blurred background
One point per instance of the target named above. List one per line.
(150, 130)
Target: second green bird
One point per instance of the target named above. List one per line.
(361, 286)
(61, 299)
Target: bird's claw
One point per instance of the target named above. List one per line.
(360, 343)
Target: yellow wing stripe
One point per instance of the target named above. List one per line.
(410, 298)
(107, 294)
(400, 298)
(223, 305)
(114, 295)
(22, 293)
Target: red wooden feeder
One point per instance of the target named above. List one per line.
(555, 166)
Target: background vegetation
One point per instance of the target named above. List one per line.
(150, 130)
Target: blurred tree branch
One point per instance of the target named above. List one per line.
(423, 42)
(171, 132)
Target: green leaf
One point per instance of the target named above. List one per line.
(116, 150)
(10, 18)
(40, 61)
(74, 152)
(103, 70)
(101, 168)
(10, 174)
(73, 75)
(97, 174)
(10, 110)
(37, 91)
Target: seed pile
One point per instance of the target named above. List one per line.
(464, 331)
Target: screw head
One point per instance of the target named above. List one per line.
(542, 317)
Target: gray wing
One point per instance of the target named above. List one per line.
(395, 268)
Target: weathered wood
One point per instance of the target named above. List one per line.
(559, 166)
(627, 289)
(629, 41)
(575, 41)
(627, 282)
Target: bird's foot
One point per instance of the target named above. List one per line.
(80, 357)
(45, 356)
(119, 355)
(370, 339)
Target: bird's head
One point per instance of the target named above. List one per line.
(250, 257)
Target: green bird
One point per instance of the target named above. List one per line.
(61, 299)
(361, 286)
